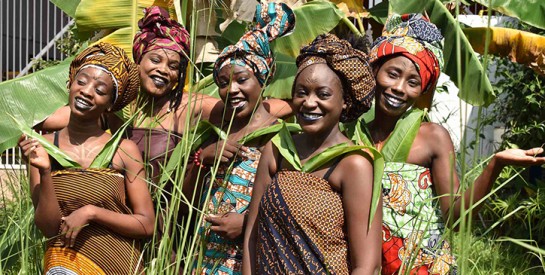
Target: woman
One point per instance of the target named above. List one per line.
(96, 211)
(407, 61)
(317, 222)
(241, 73)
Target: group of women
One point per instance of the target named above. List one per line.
(272, 207)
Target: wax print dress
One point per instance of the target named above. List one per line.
(231, 192)
(98, 249)
(301, 226)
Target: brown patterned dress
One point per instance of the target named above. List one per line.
(301, 227)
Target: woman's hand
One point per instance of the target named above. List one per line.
(229, 226)
(72, 225)
(34, 151)
(520, 157)
(231, 150)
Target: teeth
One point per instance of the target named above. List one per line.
(311, 117)
(158, 81)
(82, 104)
(394, 102)
(237, 103)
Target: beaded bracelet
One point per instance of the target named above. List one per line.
(196, 159)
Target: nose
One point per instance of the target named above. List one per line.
(397, 86)
(234, 88)
(162, 68)
(86, 90)
(310, 102)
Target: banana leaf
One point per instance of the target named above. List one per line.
(530, 12)
(104, 157)
(475, 86)
(280, 87)
(24, 98)
(312, 19)
(67, 6)
(519, 46)
(284, 142)
(398, 145)
(52, 150)
(273, 129)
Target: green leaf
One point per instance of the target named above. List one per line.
(273, 129)
(475, 86)
(312, 19)
(379, 12)
(104, 157)
(328, 155)
(280, 87)
(530, 12)
(67, 6)
(51, 149)
(30, 99)
(398, 145)
(284, 142)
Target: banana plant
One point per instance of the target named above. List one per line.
(530, 12)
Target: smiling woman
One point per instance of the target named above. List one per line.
(103, 198)
(317, 222)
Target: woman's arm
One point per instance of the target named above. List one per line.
(56, 121)
(446, 180)
(139, 224)
(265, 170)
(280, 108)
(47, 214)
(364, 242)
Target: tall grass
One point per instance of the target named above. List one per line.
(478, 245)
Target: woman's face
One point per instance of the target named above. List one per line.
(91, 92)
(239, 89)
(159, 71)
(318, 99)
(398, 86)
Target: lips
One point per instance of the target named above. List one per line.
(310, 117)
(393, 101)
(159, 81)
(237, 102)
(82, 104)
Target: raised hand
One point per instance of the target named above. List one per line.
(35, 153)
(229, 225)
(231, 150)
(521, 157)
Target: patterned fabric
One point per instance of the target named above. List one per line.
(301, 227)
(158, 31)
(349, 64)
(231, 192)
(113, 60)
(413, 226)
(253, 50)
(412, 36)
(98, 249)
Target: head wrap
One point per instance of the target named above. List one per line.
(253, 50)
(158, 31)
(351, 67)
(117, 64)
(413, 36)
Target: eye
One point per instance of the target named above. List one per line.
(80, 82)
(173, 66)
(241, 80)
(155, 60)
(300, 93)
(414, 83)
(393, 74)
(223, 84)
(324, 94)
(100, 92)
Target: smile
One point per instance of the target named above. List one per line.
(159, 81)
(393, 101)
(237, 103)
(81, 104)
(310, 117)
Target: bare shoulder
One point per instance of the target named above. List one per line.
(129, 148)
(433, 131)
(356, 162)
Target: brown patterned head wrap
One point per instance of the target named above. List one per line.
(158, 31)
(351, 67)
(113, 60)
